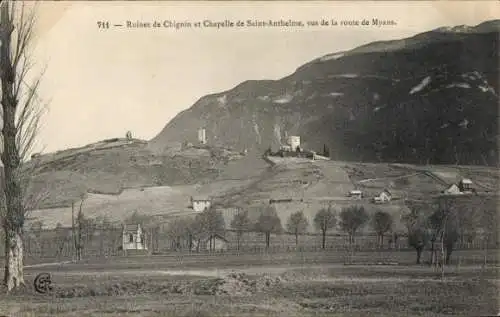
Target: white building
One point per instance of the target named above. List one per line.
(452, 190)
(199, 204)
(293, 141)
(356, 194)
(133, 237)
(383, 197)
(465, 185)
(202, 136)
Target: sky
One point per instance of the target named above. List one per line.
(100, 83)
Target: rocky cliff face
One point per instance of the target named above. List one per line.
(432, 98)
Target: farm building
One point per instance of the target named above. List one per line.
(215, 241)
(133, 237)
(452, 190)
(465, 185)
(200, 203)
(384, 197)
(356, 194)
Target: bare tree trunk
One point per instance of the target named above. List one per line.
(419, 254)
(238, 239)
(14, 217)
(449, 251)
(433, 254)
(6, 265)
(442, 256)
(323, 244)
(14, 276)
(73, 233)
(485, 254)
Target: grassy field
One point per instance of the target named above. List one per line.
(247, 259)
(162, 184)
(311, 284)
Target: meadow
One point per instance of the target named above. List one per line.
(273, 284)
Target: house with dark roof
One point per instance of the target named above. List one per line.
(200, 203)
(133, 237)
(214, 242)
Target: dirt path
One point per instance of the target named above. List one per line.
(47, 264)
(270, 270)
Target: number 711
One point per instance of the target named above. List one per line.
(103, 24)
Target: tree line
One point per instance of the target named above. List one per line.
(435, 226)
(439, 224)
(210, 223)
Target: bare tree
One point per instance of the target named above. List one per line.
(351, 219)
(61, 238)
(443, 224)
(240, 223)
(417, 233)
(21, 114)
(102, 225)
(382, 223)
(36, 231)
(325, 220)
(198, 229)
(487, 224)
(297, 224)
(268, 222)
(188, 231)
(80, 223)
(215, 224)
(83, 229)
(177, 230)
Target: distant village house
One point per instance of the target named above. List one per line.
(465, 185)
(452, 190)
(133, 237)
(211, 243)
(384, 197)
(356, 194)
(199, 204)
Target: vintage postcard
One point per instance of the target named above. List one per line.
(206, 158)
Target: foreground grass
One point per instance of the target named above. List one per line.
(335, 291)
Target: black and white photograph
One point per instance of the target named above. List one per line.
(249, 158)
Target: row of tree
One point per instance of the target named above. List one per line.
(211, 222)
(438, 225)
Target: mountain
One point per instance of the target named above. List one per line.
(428, 99)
